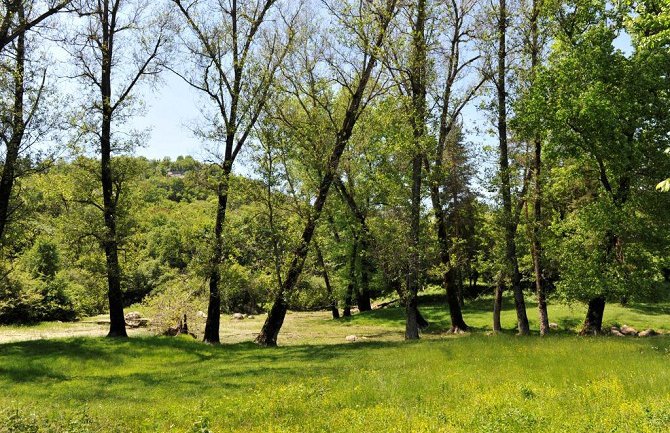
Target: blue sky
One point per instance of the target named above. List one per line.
(172, 106)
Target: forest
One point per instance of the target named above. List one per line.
(358, 158)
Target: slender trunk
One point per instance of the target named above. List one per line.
(326, 280)
(412, 325)
(536, 248)
(505, 183)
(18, 128)
(497, 305)
(593, 323)
(417, 80)
(214, 307)
(461, 300)
(364, 302)
(117, 325)
(351, 287)
(275, 319)
(448, 280)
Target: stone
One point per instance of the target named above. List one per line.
(134, 315)
(351, 338)
(617, 333)
(135, 320)
(553, 326)
(238, 316)
(628, 330)
(647, 333)
(201, 314)
(250, 316)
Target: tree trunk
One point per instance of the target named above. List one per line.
(421, 321)
(117, 326)
(18, 128)
(459, 292)
(326, 279)
(351, 287)
(417, 78)
(497, 305)
(505, 183)
(275, 319)
(412, 323)
(363, 300)
(214, 306)
(536, 248)
(594, 317)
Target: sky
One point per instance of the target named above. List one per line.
(170, 108)
(173, 105)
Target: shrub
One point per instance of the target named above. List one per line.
(26, 300)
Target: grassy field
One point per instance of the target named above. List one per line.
(317, 382)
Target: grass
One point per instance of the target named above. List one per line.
(318, 383)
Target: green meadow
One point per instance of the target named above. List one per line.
(318, 382)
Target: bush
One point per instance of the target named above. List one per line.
(168, 305)
(240, 292)
(26, 300)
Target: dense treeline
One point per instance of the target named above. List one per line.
(350, 158)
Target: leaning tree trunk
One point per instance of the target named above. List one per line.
(593, 323)
(510, 226)
(275, 319)
(18, 128)
(117, 322)
(214, 306)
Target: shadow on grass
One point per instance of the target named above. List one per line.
(659, 309)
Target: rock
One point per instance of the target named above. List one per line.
(250, 316)
(134, 315)
(647, 333)
(135, 320)
(614, 328)
(238, 316)
(617, 333)
(627, 330)
(201, 314)
(553, 326)
(171, 332)
(351, 338)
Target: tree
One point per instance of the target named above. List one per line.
(23, 119)
(356, 85)
(235, 53)
(451, 100)
(118, 45)
(508, 217)
(534, 41)
(18, 17)
(607, 112)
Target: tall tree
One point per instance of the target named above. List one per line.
(118, 46)
(512, 261)
(607, 112)
(451, 101)
(371, 21)
(236, 50)
(21, 120)
(417, 79)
